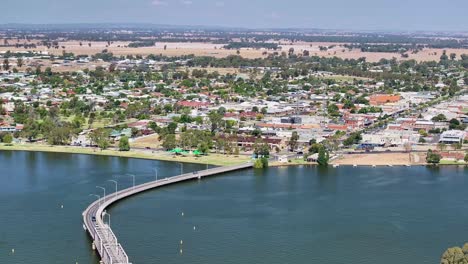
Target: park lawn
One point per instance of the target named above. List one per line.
(212, 159)
(151, 141)
(452, 162)
(292, 162)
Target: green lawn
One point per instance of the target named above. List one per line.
(212, 159)
(449, 162)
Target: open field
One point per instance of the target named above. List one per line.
(293, 162)
(344, 78)
(151, 141)
(374, 159)
(216, 50)
(212, 159)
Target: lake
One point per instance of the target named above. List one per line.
(301, 214)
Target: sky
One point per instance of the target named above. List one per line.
(401, 15)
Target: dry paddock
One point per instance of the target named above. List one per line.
(216, 50)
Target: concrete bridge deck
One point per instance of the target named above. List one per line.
(104, 240)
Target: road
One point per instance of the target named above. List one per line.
(104, 240)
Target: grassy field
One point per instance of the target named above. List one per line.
(151, 141)
(344, 78)
(292, 162)
(212, 159)
(452, 162)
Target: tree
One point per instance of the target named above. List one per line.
(323, 157)
(216, 120)
(444, 56)
(455, 255)
(203, 147)
(100, 137)
(439, 118)
(8, 138)
(258, 164)
(353, 138)
(453, 56)
(455, 124)
(261, 149)
(124, 145)
(293, 140)
(466, 157)
(6, 64)
(153, 126)
(432, 157)
(169, 141)
(19, 62)
(261, 163)
(333, 110)
(171, 128)
(31, 129)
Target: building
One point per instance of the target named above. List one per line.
(380, 99)
(452, 137)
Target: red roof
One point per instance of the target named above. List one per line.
(193, 104)
(337, 127)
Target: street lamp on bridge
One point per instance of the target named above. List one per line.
(99, 198)
(181, 168)
(104, 189)
(115, 182)
(133, 176)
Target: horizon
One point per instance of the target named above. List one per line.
(363, 15)
(137, 25)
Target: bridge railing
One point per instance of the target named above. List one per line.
(105, 240)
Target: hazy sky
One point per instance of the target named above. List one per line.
(328, 14)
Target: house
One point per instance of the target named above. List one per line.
(191, 104)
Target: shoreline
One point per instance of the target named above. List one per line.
(211, 159)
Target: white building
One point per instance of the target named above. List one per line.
(452, 136)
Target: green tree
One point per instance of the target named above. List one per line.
(333, 110)
(100, 137)
(19, 62)
(31, 129)
(124, 145)
(293, 140)
(153, 126)
(439, 118)
(258, 164)
(203, 147)
(261, 148)
(216, 120)
(323, 157)
(171, 128)
(169, 141)
(432, 157)
(8, 138)
(6, 64)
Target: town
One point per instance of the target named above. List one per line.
(290, 106)
(214, 131)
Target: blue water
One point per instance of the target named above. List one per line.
(281, 215)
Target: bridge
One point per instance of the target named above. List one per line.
(104, 239)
